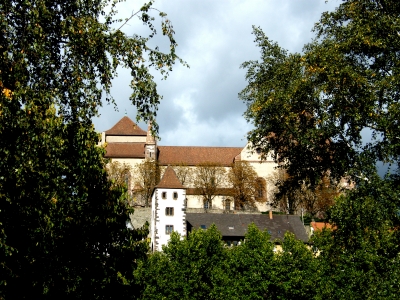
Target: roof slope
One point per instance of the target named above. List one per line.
(170, 180)
(125, 150)
(191, 155)
(126, 126)
(235, 225)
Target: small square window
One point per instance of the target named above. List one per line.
(169, 229)
(164, 195)
(203, 226)
(175, 195)
(169, 211)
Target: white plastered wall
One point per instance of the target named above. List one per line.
(160, 220)
(125, 139)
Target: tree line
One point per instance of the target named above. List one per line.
(209, 179)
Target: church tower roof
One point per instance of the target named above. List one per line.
(150, 140)
(126, 126)
(170, 180)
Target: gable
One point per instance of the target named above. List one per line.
(126, 126)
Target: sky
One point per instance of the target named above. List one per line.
(200, 105)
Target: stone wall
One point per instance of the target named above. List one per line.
(140, 216)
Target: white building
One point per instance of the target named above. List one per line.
(168, 210)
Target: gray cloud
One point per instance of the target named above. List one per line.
(200, 105)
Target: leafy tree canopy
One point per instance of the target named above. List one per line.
(313, 109)
(63, 225)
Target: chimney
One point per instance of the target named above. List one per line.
(270, 214)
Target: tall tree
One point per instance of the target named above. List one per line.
(314, 200)
(311, 109)
(120, 176)
(145, 177)
(247, 188)
(314, 111)
(184, 173)
(63, 226)
(208, 179)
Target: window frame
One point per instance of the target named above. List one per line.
(169, 211)
(169, 229)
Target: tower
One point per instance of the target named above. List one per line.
(168, 210)
(151, 144)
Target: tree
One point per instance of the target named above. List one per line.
(186, 269)
(208, 178)
(247, 187)
(184, 173)
(290, 198)
(63, 226)
(146, 176)
(360, 257)
(311, 109)
(120, 176)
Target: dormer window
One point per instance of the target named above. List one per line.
(175, 195)
(164, 195)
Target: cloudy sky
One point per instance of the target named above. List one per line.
(200, 105)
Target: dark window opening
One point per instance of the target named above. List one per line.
(169, 211)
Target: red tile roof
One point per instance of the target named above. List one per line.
(170, 180)
(126, 126)
(125, 150)
(320, 225)
(170, 155)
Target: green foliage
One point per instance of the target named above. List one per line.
(63, 225)
(185, 269)
(311, 108)
(200, 267)
(246, 273)
(363, 250)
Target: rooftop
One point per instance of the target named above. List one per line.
(192, 155)
(126, 126)
(235, 225)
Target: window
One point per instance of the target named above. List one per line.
(175, 195)
(164, 195)
(227, 204)
(203, 226)
(169, 229)
(260, 188)
(207, 205)
(231, 227)
(169, 211)
(258, 150)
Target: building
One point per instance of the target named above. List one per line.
(168, 210)
(128, 144)
(178, 206)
